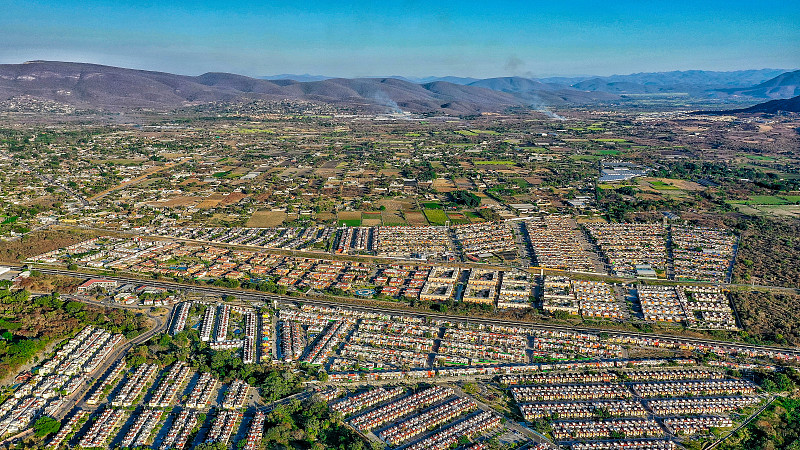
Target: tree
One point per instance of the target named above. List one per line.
(46, 425)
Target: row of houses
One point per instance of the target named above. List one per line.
(169, 385)
(223, 425)
(399, 408)
(524, 394)
(556, 243)
(97, 435)
(590, 429)
(582, 410)
(444, 438)
(135, 382)
(430, 418)
(236, 395)
(353, 404)
(181, 428)
(139, 433)
(200, 397)
(700, 405)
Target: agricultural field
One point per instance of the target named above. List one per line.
(435, 216)
(264, 219)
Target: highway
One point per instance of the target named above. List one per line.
(268, 297)
(462, 264)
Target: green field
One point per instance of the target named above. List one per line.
(791, 198)
(610, 140)
(764, 200)
(759, 157)
(498, 162)
(431, 205)
(350, 222)
(435, 216)
(608, 152)
(466, 133)
(520, 182)
(660, 185)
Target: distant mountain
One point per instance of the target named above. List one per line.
(694, 82)
(770, 107)
(294, 77)
(91, 86)
(538, 93)
(454, 80)
(784, 85)
(112, 88)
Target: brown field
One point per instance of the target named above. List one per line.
(392, 218)
(177, 201)
(680, 184)
(233, 197)
(396, 205)
(443, 185)
(323, 216)
(371, 222)
(349, 215)
(207, 203)
(264, 219)
(415, 218)
(39, 242)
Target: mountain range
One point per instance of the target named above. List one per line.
(92, 86)
(770, 107)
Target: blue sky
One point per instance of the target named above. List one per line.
(411, 38)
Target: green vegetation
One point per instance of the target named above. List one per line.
(273, 383)
(759, 157)
(465, 198)
(309, 425)
(777, 428)
(660, 185)
(227, 175)
(350, 222)
(768, 317)
(435, 216)
(762, 200)
(497, 162)
(769, 252)
(31, 323)
(431, 205)
(46, 425)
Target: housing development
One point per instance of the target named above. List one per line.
(312, 275)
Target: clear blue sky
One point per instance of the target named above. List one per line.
(412, 38)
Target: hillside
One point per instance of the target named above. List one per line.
(770, 107)
(93, 86)
(783, 86)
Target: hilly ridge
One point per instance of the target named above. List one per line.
(92, 86)
(113, 88)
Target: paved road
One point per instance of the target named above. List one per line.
(741, 425)
(268, 298)
(463, 264)
(77, 399)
